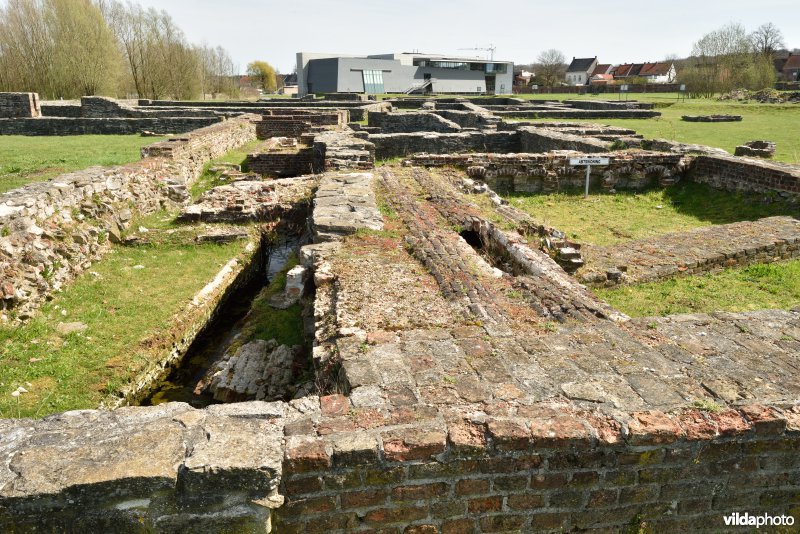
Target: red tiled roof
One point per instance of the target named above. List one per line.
(793, 62)
(601, 69)
(655, 69)
(622, 70)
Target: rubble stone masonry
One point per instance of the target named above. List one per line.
(53, 230)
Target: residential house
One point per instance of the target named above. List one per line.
(791, 68)
(523, 78)
(662, 72)
(289, 86)
(580, 70)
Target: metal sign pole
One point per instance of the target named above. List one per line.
(588, 161)
(588, 170)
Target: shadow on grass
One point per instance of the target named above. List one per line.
(722, 207)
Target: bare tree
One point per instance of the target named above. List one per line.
(767, 39)
(724, 60)
(551, 66)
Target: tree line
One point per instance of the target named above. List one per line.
(72, 48)
(722, 60)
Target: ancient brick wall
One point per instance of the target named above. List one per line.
(411, 122)
(53, 230)
(739, 174)
(537, 140)
(111, 126)
(467, 119)
(533, 173)
(568, 113)
(403, 144)
(285, 163)
(19, 105)
(539, 471)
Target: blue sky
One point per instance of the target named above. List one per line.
(615, 30)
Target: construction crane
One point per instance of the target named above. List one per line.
(490, 49)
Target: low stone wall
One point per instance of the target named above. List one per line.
(19, 105)
(51, 231)
(298, 122)
(422, 121)
(607, 104)
(468, 119)
(50, 109)
(749, 175)
(285, 163)
(537, 140)
(398, 145)
(115, 126)
(167, 468)
(693, 252)
(756, 149)
(580, 114)
(534, 173)
(341, 150)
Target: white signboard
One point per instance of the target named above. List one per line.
(588, 161)
(624, 88)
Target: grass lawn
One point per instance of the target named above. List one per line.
(605, 218)
(131, 299)
(755, 287)
(209, 179)
(25, 159)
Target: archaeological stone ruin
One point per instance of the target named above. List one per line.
(462, 375)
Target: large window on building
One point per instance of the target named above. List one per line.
(373, 82)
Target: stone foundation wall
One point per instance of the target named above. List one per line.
(19, 105)
(116, 126)
(535, 140)
(302, 161)
(740, 174)
(468, 119)
(288, 126)
(533, 173)
(51, 231)
(697, 251)
(398, 145)
(607, 104)
(411, 122)
(579, 114)
(341, 150)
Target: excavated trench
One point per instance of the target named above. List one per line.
(185, 381)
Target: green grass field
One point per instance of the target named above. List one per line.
(132, 298)
(25, 159)
(605, 218)
(755, 287)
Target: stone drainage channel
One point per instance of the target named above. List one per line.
(186, 381)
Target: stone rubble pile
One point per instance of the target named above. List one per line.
(258, 370)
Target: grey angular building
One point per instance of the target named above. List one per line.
(401, 73)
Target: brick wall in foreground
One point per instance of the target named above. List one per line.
(542, 472)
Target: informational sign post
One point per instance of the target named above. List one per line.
(589, 162)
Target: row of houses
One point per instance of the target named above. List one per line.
(588, 71)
